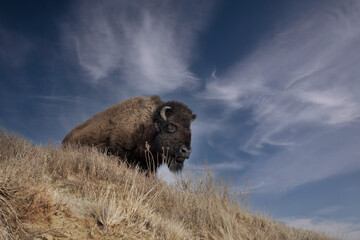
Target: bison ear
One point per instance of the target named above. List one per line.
(194, 116)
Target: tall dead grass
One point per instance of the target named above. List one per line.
(81, 193)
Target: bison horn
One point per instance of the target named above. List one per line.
(162, 112)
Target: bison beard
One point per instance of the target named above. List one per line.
(125, 128)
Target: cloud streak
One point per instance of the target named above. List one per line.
(346, 230)
(137, 45)
(301, 87)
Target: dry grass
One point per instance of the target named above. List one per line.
(81, 193)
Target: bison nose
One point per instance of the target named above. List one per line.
(185, 152)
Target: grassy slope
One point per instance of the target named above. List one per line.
(79, 193)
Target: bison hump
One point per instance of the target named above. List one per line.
(118, 124)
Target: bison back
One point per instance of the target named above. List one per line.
(116, 127)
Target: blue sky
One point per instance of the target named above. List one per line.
(275, 85)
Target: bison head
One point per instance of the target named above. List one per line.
(172, 125)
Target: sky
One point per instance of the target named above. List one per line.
(275, 85)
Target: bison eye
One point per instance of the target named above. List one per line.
(170, 128)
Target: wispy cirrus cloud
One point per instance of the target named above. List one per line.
(302, 88)
(193, 171)
(345, 230)
(138, 45)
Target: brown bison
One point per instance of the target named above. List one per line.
(138, 129)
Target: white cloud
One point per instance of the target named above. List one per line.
(302, 87)
(317, 156)
(189, 173)
(193, 171)
(137, 45)
(345, 230)
(166, 175)
(307, 74)
(328, 210)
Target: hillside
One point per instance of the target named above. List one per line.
(80, 193)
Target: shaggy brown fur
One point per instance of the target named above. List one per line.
(124, 129)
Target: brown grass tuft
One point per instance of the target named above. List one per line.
(48, 192)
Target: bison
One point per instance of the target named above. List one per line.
(139, 129)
